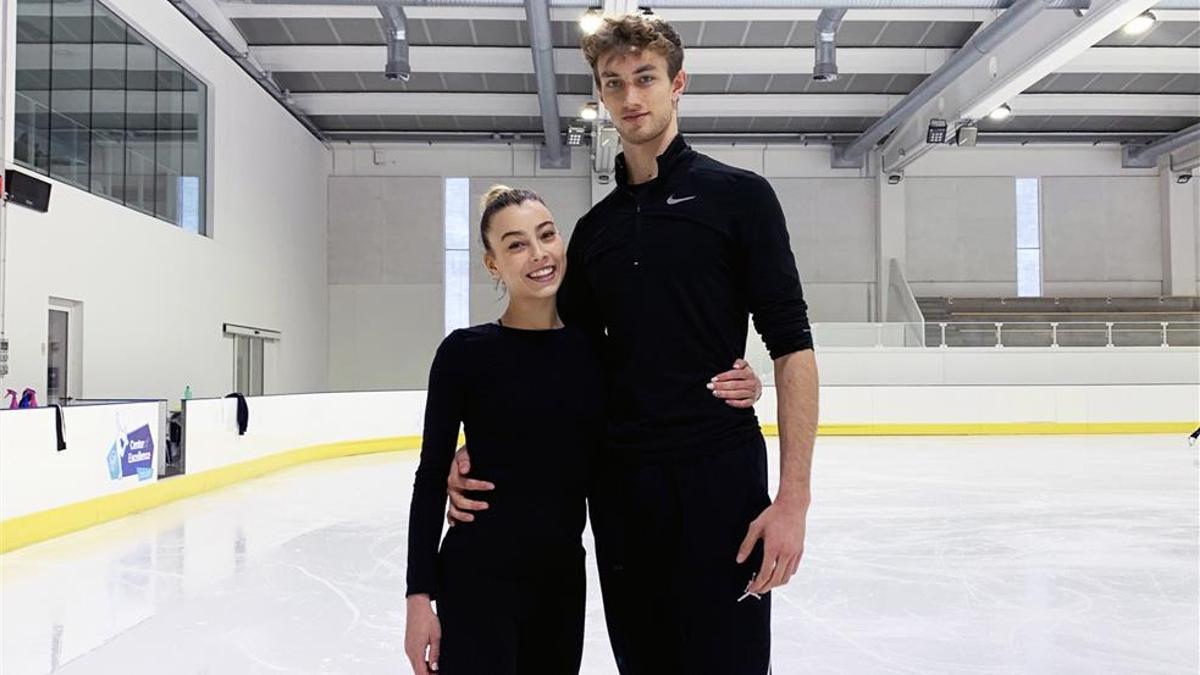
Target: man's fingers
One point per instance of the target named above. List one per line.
(779, 575)
(785, 574)
(416, 659)
(477, 485)
(435, 649)
(793, 567)
(788, 564)
(752, 535)
(763, 578)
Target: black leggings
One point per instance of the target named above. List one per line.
(524, 622)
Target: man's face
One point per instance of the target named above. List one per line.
(638, 94)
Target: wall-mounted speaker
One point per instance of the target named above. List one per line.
(29, 191)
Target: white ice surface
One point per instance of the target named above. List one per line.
(924, 555)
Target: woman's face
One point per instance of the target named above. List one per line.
(527, 253)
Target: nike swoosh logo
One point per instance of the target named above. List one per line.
(672, 201)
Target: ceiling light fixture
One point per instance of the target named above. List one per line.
(1140, 24)
(591, 21)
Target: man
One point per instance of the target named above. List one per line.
(663, 274)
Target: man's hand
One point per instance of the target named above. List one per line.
(781, 526)
(739, 388)
(422, 635)
(457, 484)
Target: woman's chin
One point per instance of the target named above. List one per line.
(540, 292)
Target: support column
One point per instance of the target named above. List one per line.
(8, 52)
(1180, 211)
(891, 240)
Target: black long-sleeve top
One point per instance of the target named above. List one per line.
(665, 276)
(531, 405)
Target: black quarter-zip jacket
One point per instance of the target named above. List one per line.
(664, 277)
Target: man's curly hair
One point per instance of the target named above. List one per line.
(634, 33)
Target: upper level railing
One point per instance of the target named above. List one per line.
(1010, 334)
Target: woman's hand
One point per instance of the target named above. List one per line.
(422, 635)
(457, 484)
(739, 388)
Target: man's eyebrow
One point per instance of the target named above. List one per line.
(641, 69)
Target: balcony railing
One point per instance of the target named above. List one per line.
(1014, 334)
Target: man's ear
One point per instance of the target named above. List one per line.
(679, 85)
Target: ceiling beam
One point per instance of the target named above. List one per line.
(1037, 49)
(699, 61)
(243, 10)
(1147, 156)
(696, 105)
(703, 60)
(735, 105)
(1116, 105)
(1134, 60)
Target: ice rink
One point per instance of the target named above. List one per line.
(974, 555)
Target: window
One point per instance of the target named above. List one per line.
(100, 107)
(1029, 238)
(458, 253)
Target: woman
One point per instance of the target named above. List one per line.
(529, 392)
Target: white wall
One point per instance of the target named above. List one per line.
(961, 235)
(1100, 221)
(831, 222)
(1101, 236)
(154, 296)
(385, 280)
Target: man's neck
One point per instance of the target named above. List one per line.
(641, 161)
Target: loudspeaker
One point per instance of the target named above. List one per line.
(26, 190)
